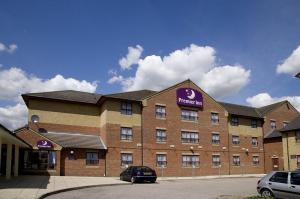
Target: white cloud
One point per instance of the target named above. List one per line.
(14, 82)
(197, 63)
(291, 65)
(13, 117)
(263, 99)
(9, 49)
(132, 57)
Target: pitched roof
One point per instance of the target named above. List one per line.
(265, 109)
(66, 95)
(132, 95)
(236, 109)
(75, 140)
(13, 136)
(293, 125)
(273, 134)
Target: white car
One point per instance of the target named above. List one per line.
(280, 184)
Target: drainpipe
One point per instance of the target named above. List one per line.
(142, 135)
(287, 149)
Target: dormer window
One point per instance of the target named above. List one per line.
(273, 124)
(126, 108)
(234, 121)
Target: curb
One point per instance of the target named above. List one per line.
(211, 177)
(77, 188)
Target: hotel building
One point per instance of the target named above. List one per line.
(179, 131)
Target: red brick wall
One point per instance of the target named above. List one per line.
(174, 125)
(273, 146)
(78, 166)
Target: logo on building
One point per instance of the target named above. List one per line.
(44, 144)
(189, 97)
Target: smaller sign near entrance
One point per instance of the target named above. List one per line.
(44, 144)
(189, 97)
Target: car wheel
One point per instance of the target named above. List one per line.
(266, 193)
(132, 180)
(152, 181)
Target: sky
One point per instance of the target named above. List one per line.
(244, 52)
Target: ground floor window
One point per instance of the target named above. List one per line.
(190, 161)
(39, 160)
(255, 160)
(92, 158)
(236, 160)
(126, 159)
(298, 161)
(161, 160)
(216, 160)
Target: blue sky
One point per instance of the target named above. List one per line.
(86, 39)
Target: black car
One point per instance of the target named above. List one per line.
(138, 174)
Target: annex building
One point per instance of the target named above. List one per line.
(179, 131)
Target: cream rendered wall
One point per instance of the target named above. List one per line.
(111, 113)
(244, 128)
(65, 113)
(290, 147)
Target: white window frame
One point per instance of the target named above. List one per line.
(160, 111)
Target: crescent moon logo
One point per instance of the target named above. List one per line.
(44, 143)
(192, 95)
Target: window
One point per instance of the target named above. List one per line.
(189, 115)
(234, 121)
(126, 108)
(39, 160)
(297, 136)
(295, 178)
(235, 140)
(161, 135)
(236, 160)
(215, 138)
(255, 160)
(285, 123)
(160, 111)
(126, 159)
(190, 161)
(92, 158)
(254, 141)
(126, 133)
(253, 123)
(280, 177)
(298, 161)
(214, 118)
(189, 137)
(216, 160)
(273, 124)
(161, 160)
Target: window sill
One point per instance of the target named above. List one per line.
(126, 140)
(188, 121)
(236, 165)
(215, 144)
(191, 167)
(216, 167)
(235, 145)
(161, 142)
(186, 143)
(91, 166)
(160, 118)
(215, 124)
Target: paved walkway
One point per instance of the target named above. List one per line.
(32, 187)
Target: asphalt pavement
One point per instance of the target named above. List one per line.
(229, 188)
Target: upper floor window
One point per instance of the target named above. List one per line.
(255, 160)
(285, 123)
(273, 124)
(126, 159)
(254, 141)
(189, 137)
(297, 136)
(161, 135)
(215, 138)
(236, 160)
(161, 160)
(253, 123)
(126, 133)
(216, 160)
(126, 108)
(190, 161)
(189, 115)
(235, 140)
(160, 111)
(92, 158)
(234, 121)
(214, 118)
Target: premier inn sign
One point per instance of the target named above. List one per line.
(189, 97)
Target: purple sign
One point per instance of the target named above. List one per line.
(44, 144)
(189, 97)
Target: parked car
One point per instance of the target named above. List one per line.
(280, 184)
(138, 174)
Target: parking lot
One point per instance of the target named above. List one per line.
(234, 188)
